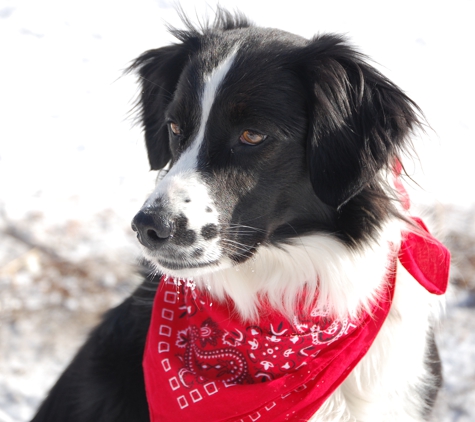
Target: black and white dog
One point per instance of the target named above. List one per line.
(279, 154)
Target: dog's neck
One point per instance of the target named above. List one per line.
(345, 280)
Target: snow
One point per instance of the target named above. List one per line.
(73, 170)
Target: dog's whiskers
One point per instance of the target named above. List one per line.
(232, 245)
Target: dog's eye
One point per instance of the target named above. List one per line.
(249, 137)
(176, 130)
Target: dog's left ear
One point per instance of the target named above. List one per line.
(359, 120)
(159, 71)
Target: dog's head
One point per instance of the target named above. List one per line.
(268, 136)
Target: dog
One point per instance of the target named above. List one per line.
(287, 279)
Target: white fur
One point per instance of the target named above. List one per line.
(212, 83)
(347, 280)
(384, 385)
(184, 193)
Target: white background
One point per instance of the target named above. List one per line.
(68, 147)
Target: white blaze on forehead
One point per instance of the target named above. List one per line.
(212, 82)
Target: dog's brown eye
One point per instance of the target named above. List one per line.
(252, 138)
(175, 129)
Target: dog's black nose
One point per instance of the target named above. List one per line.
(152, 228)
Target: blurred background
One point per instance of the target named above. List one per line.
(73, 168)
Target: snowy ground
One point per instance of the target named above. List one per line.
(73, 167)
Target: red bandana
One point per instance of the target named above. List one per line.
(201, 364)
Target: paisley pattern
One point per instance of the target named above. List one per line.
(229, 353)
(226, 364)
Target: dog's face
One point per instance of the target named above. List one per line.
(268, 137)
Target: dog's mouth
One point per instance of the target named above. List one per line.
(183, 262)
(177, 264)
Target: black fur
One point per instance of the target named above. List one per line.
(104, 382)
(355, 111)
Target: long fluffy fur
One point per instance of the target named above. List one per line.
(389, 382)
(344, 280)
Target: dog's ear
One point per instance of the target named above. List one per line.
(359, 120)
(159, 71)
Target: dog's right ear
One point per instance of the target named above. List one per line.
(360, 121)
(159, 71)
